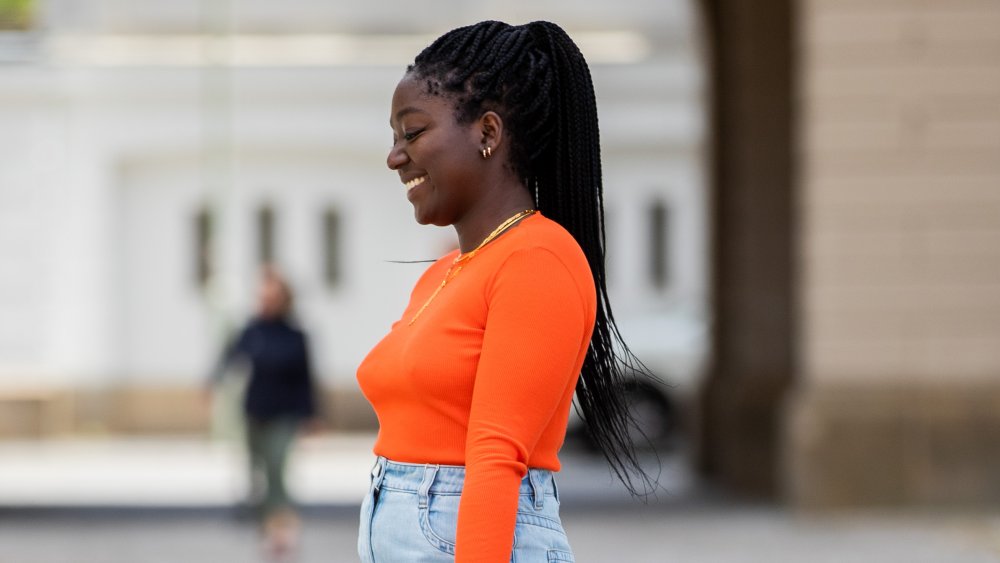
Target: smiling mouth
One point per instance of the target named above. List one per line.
(415, 182)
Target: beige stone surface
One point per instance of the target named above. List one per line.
(900, 205)
(898, 401)
(901, 443)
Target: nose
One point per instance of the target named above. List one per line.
(397, 157)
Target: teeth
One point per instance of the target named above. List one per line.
(415, 182)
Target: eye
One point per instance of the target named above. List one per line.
(410, 135)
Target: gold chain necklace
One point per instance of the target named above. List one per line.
(461, 259)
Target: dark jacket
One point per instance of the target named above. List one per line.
(281, 382)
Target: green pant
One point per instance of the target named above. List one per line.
(268, 444)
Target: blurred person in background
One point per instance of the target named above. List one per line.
(279, 402)
(495, 133)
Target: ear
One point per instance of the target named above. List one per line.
(491, 130)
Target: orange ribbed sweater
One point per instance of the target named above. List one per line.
(485, 376)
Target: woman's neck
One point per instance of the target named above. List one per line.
(476, 226)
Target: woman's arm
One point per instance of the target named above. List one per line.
(537, 330)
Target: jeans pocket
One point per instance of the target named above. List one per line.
(438, 521)
(559, 555)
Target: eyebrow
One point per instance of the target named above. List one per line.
(404, 112)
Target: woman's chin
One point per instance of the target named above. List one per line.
(421, 218)
(425, 215)
(429, 219)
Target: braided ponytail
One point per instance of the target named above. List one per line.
(535, 77)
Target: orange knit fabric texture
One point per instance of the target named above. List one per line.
(485, 375)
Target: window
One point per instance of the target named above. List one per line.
(659, 249)
(332, 251)
(203, 233)
(265, 235)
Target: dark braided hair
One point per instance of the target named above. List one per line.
(537, 80)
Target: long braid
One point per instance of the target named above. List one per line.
(539, 82)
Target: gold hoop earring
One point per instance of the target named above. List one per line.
(486, 152)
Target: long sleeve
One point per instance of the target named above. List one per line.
(538, 325)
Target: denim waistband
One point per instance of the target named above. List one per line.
(449, 479)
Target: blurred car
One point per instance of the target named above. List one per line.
(673, 346)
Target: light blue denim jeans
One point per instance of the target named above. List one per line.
(411, 511)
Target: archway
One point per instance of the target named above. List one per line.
(753, 233)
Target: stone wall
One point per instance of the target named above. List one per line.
(899, 388)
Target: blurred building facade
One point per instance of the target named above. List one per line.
(156, 153)
(852, 211)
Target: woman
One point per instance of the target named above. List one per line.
(495, 133)
(279, 401)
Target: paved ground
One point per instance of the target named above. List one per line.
(615, 535)
(168, 500)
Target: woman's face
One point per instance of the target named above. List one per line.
(437, 159)
(271, 299)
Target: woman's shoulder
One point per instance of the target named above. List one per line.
(542, 232)
(539, 233)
